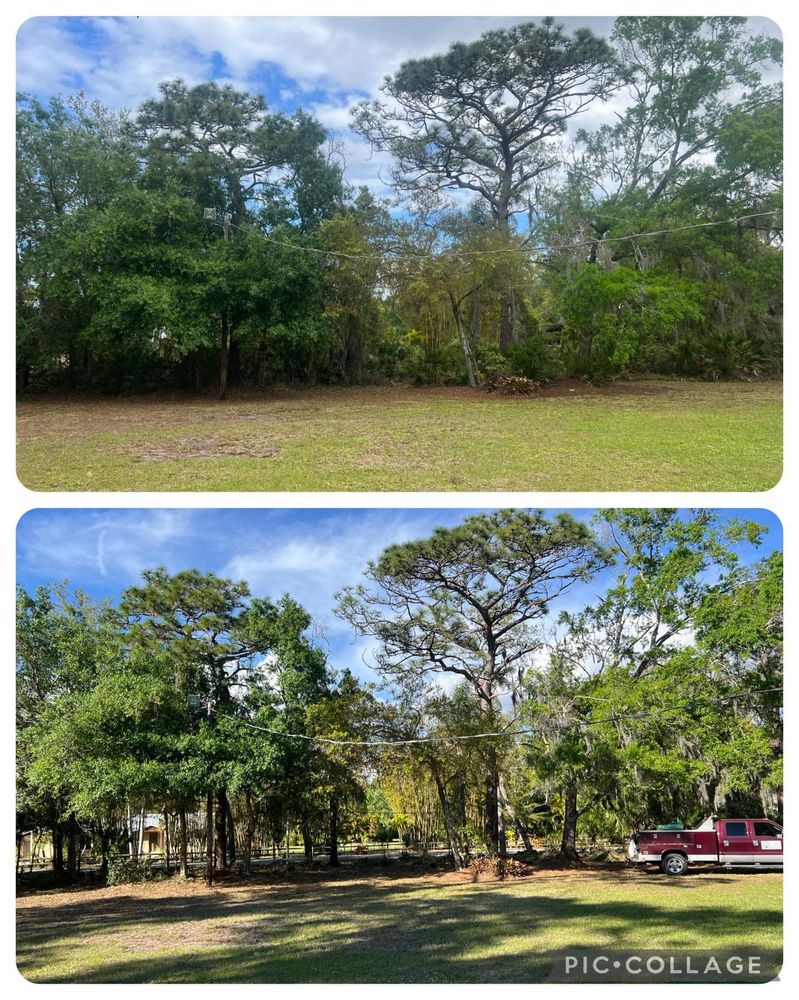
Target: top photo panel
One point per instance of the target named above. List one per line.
(399, 253)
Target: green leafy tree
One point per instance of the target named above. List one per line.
(687, 77)
(467, 602)
(64, 643)
(483, 117)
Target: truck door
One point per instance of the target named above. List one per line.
(767, 842)
(735, 842)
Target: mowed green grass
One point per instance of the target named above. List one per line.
(355, 928)
(647, 435)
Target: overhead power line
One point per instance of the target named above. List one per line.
(304, 248)
(525, 731)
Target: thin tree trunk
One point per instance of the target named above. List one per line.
(209, 839)
(72, 846)
(166, 841)
(524, 833)
(491, 828)
(334, 861)
(307, 841)
(224, 357)
(471, 376)
(221, 829)
(131, 843)
(249, 830)
(521, 829)
(140, 848)
(183, 843)
(231, 833)
(34, 848)
(449, 822)
(502, 840)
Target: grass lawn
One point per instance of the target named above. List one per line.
(384, 926)
(644, 435)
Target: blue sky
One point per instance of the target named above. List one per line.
(324, 64)
(309, 553)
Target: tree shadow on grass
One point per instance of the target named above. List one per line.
(361, 932)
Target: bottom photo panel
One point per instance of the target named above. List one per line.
(362, 745)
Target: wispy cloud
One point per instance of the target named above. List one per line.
(111, 545)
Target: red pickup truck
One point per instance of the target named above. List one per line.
(747, 843)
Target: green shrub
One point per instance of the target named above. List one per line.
(533, 358)
(124, 870)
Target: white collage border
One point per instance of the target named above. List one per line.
(16, 500)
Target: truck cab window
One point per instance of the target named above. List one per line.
(767, 830)
(735, 829)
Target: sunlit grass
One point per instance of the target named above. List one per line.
(384, 929)
(651, 435)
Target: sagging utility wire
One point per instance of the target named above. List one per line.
(525, 731)
(497, 250)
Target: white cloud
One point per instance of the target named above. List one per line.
(342, 58)
(108, 543)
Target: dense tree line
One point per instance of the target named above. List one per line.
(191, 699)
(511, 248)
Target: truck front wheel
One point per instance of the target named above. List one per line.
(674, 864)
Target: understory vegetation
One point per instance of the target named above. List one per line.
(191, 707)
(517, 241)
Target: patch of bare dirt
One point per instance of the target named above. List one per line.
(208, 446)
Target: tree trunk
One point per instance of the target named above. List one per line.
(34, 848)
(166, 842)
(491, 828)
(183, 842)
(307, 841)
(224, 356)
(449, 822)
(209, 840)
(58, 849)
(249, 830)
(521, 829)
(72, 846)
(508, 331)
(131, 842)
(142, 817)
(221, 829)
(471, 376)
(231, 833)
(568, 843)
(334, 861)
(502, 837)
